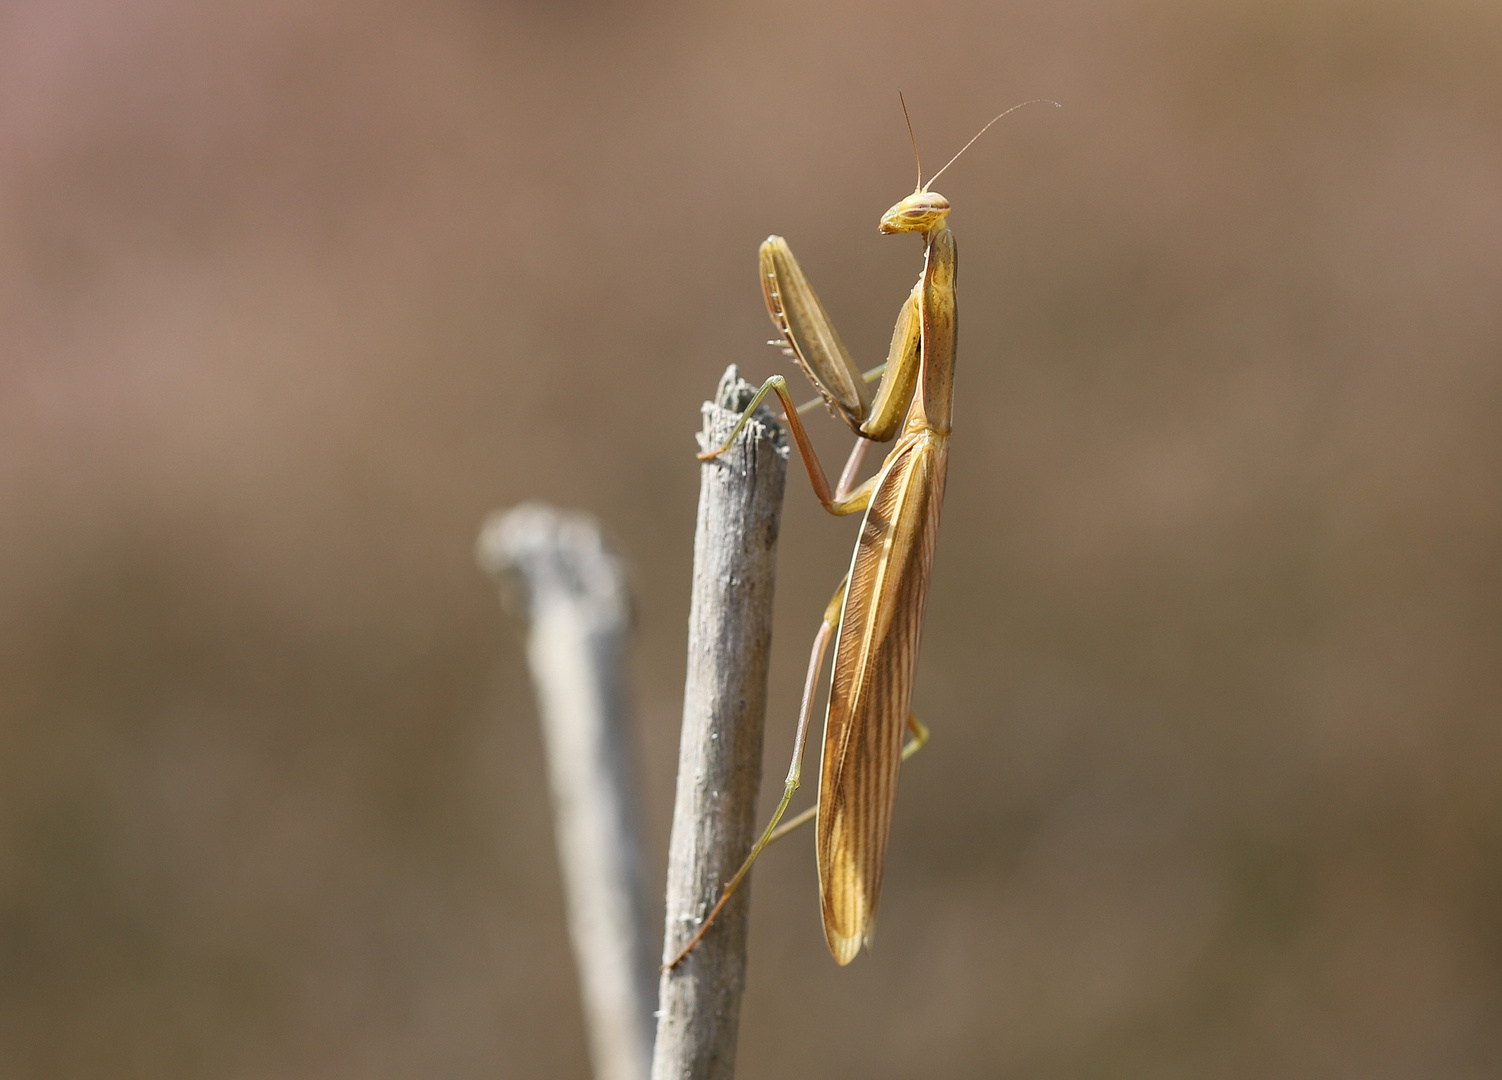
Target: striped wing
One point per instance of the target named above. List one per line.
(872, 685)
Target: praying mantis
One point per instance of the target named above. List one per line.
(876, 615)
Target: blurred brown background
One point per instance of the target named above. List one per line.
(294, 293)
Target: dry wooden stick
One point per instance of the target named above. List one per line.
(578, 612)
(719, 755)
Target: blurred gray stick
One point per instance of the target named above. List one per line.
(719, 753)
(578, 612)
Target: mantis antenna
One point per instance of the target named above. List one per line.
(914, 138)
(978, 134)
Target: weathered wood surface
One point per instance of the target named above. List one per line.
(719, 756)
(578, 612)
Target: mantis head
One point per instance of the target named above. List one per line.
(921, 211)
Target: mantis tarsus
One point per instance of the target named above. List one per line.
(876, 615)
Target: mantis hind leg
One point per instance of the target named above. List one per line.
(919, 738)
(827, 628)
(826, 632)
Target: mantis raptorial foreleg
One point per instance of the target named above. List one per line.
(810, 338)
(813, 342)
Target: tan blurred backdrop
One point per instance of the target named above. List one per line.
(291, 295)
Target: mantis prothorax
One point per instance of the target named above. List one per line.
(876, 615)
